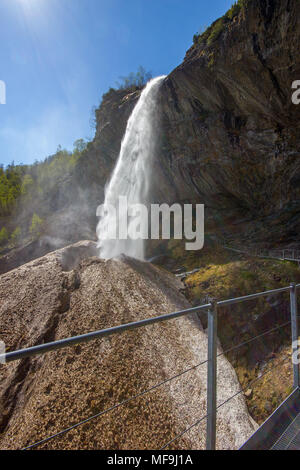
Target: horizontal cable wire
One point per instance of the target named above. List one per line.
(70, 428)
(66, 342)
(183, 432)
(114, 407)
(255, 338)
(253, 382)
(221, 404)
(86, 337)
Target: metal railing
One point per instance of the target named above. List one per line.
(212, 312)
(287, 254)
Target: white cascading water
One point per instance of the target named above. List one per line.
(132, 174)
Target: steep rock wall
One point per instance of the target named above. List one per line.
(230, 127)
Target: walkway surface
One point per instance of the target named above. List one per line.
(290, 439)
(281, 431)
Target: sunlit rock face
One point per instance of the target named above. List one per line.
(227, 128)
(231, 131)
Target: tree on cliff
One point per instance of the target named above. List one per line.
(36, 226)
(3, 236)
(16, 236)
(138, 79)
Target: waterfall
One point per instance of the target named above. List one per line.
(131, 176)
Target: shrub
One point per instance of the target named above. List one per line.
(211, 60)
(234, 10)
(16, 236)
(27, 185)
(242, 3)
(138, 79)
(10, 183)
(3, 236)
(217, 29)
(213, 32)
(79, 145)
(36, 226)
(202, 36)
(195, 38)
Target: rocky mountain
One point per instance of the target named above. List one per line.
(231, 130)
(228, 137)
(227, 127)
(70, 292)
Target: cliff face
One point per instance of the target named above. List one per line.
(230, 127)
(96, 165)
(74, 217)
(70, 292)
(228, 130)
(228, 137)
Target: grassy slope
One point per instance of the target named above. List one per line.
(224, 275)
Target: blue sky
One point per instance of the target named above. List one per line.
(58, 57)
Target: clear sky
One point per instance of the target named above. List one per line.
(58, 57)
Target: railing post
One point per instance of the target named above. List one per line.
(212, 378)
(294, 322)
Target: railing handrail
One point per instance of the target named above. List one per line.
(74, 340)
(277, 253)
(212, 312)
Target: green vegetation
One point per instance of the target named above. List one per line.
(3, 236)
(216, 31)
(10, 187)
(212, 33)
(234, 10)
(25, 189)
(222, 275)
(36, 226)
(22, 183)
(211, 60)
(243, 3)
(138, 79)
(16, 236)
(27, 185)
